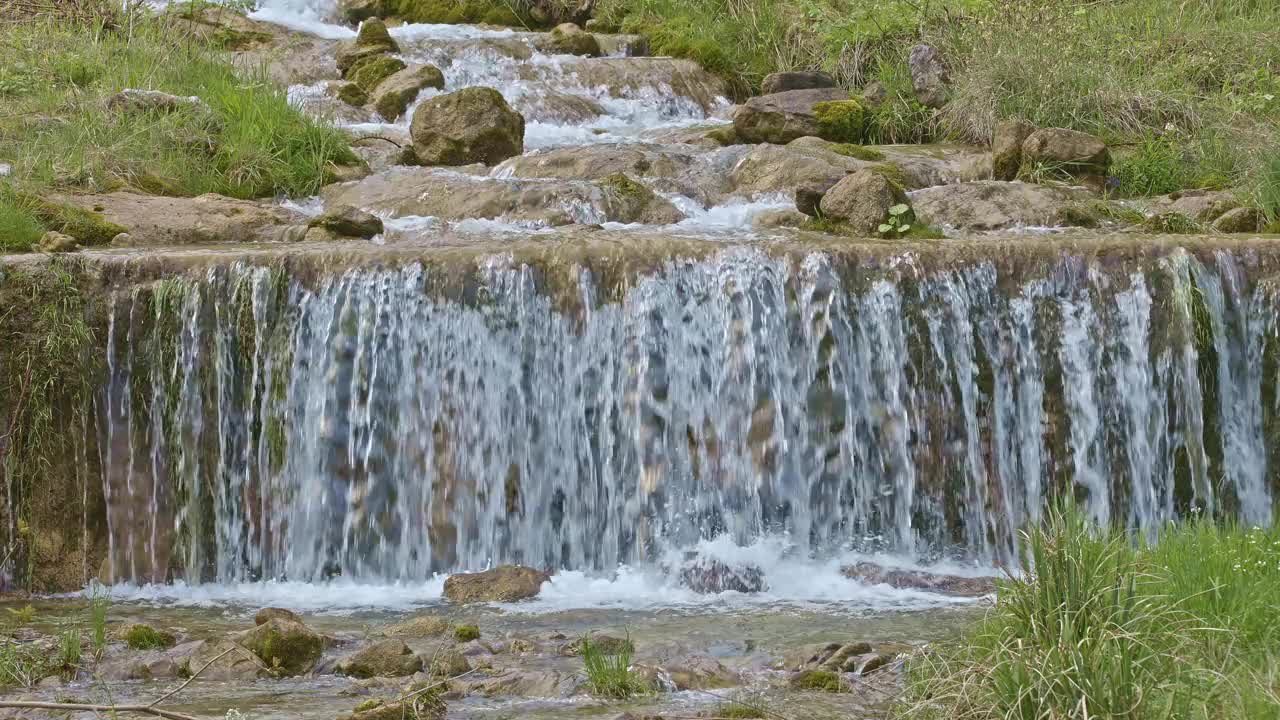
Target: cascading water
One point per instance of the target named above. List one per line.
(386, 424)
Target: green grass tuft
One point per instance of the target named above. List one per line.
(610, 675)
(1106, 628)
(466, 633)
(821, 680)
(145, 637)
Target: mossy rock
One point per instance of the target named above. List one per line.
(1097, 213)
(821, 680)
(352, 94)
(86, 227)
(372, 71)
(373, 33)
(286, 646)
(723, 136)
(466, 633)
(229, 39)
(860, 152)
(145, 637)
(448, 663)
(385, 658)
(841, 121)
(569, 39)
(625, 186)
(1173, 223)
(893, 171)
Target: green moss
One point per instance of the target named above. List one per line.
(466, 633)
(858, 152)
(841, 121)
(353, 94)
(289, 648)
(1173, 223)
(724, 136)
(368, 73)
(823, 680)
(369, 704)
(893, 171)
(734, 711)
(87, 227)
(228, 39)
(453, 12)
(1096, 213)
(625, 186)
(145, 637)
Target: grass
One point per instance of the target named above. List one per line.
(1107, 628)
(57, 134)
(21, 666)
(98, 606)
(145, 637)
(1269, 187)
(610, 675)
(466, 633)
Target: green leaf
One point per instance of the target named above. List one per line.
(885, 227)
(904, 228)
(899, 209)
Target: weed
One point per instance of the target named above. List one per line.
(610, 675)
(24, 615)
(1269, 187)
(98, 606)
(20, 230)
(898, 224)
(70, 649)
(466, 633)
(21, 666)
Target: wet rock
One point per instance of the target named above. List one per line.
(287, 647)
(348, 221)
(595, 162)
(784, 81)
(773, 219)
(423, 626)
(774, 168)
(833, 656)
(928, 76)
(56, 242)
(452, 195)
(785, 116)
(993, 205)
(370, 73)
(352, 94)
(1202, 206)
(505, 583)
(354, 11)
(874, 574)
(709, 576)
(471, 125)
(156, 220)
(155, 665)
(516, 682)
(231, 662)
(1070, 151)
(550, 105)
(862, 201)
(372, 43)
(569, 39)
(447, 663)
(1239, 220)
(1006, 148)
(700, 672)
(394, 94)
(268, 614)
(869, 663)
(624, 45)
(386, 658)
(623, 76)
(373, 33)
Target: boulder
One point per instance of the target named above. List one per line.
(569, 39)
(354, 11)
(348, 221)
(1203, 206)
(373, 41)
(471, 125)
(782, 117)
(352, 94)
(784, 81)
(385, 658)
(994, 205)
(862, 201)
(928, 76)
(373, 33)
(268, 614)
(1239, 220)
(447, 663)
(231, 662)
(370, 73)
(782, 218)
(1074, 152)
(423, 626)
(708, 576)
(285, 646)
(350, 56)
(630, 201)
(701, 672)
(505, 583)
(394, 94)
(156, 220)
(1006, 148)
(56, 242)
(874, 574)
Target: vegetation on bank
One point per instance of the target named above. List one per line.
(1106, 628)
(59, 132)
(1188, 94)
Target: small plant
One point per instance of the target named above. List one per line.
(20, 666)
(23, 615)
(70, 649)
(899, 222)
(98, 606)
(466, 633)
(145, 637)
(733, 710)
(822, 680)
(610, 675)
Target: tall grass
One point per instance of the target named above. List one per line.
(56, 131)
(1104, 628)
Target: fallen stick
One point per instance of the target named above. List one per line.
(144, 709)
(194, 675)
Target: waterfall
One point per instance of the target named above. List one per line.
(388, 423)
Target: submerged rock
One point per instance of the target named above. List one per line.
(505, 583)
(784, 81)
(709, 576)
(701, 672)
(447, 663)
(285, 646)
(222, 660)
(386, 658)
(468, 126)
(782, 117)
(348, 221)
(423, 626)
(993, 205)
(862, 201)
(875, 574)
